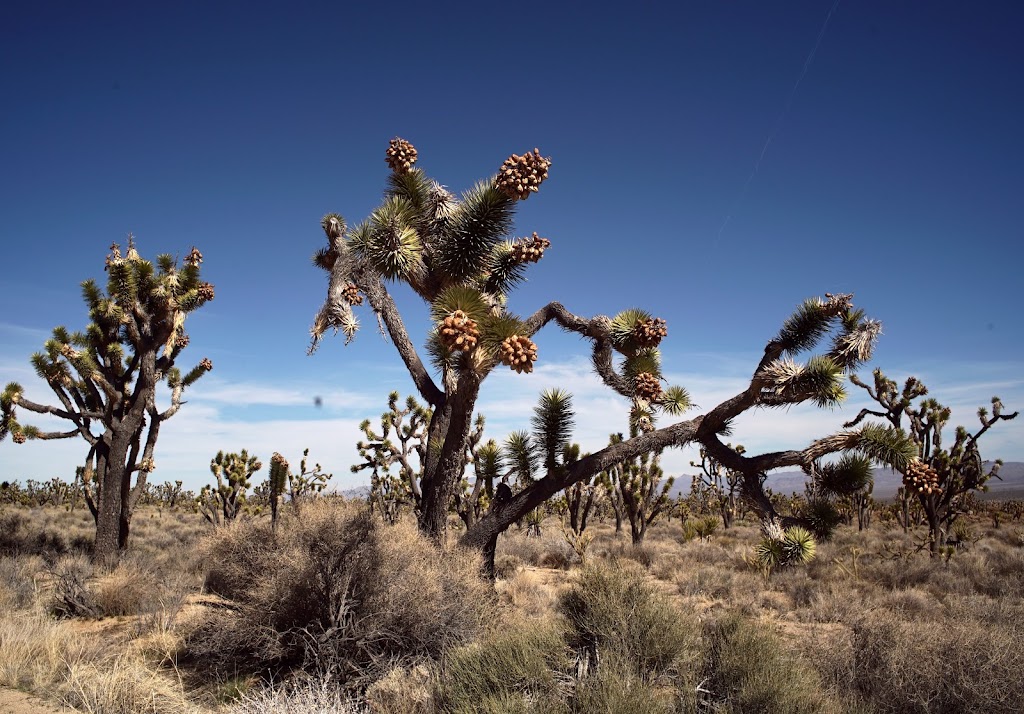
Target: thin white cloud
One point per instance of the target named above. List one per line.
(211, 420)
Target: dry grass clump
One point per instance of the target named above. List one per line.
(122, 685)
(403, 691)
(548, 550)
(308, 697)
(338, 592)
(957, 664)
(35, 651)
(125, 590)
(19, 581)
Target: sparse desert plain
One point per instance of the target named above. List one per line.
(340, 611)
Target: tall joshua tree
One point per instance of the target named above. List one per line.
(455, 253)
(105, 379)
(941, 479)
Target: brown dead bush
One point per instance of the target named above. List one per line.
(337, 592)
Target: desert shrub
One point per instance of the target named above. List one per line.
(310, 697)
(18, 589)
(613, 608)
(125, 590)
(518, 670)
(616, 688)
(335, 591)
(748, 670)
(506, 566)
(70, 595)
(954, 665)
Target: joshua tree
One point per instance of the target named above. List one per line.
(941, 479)
(642, 496)
(581, 500)
(472, 501)
(276, 483)
(454, 254)
(402, 442)
(106, 377)
(721, 485)
(224, 503)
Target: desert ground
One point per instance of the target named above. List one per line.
(339, 611)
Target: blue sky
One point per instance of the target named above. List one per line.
(892, 171)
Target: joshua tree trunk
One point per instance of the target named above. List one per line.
(450, 426)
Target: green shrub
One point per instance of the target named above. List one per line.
(747, 670)
(518, 670)
(613, 608)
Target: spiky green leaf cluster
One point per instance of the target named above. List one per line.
(805, 327)
(481, 220)
(850, 474)
(644, 360)
(623, 327)
(796, 547)
(520, 456)
(552, 423)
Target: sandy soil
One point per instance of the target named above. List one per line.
(14, 702)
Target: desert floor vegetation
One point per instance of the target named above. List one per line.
(338, 611)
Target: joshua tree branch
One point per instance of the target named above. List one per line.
(384, 305)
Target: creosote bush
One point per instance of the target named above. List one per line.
(748, 671)
(517, 670)
(335, 592)
(614, 609)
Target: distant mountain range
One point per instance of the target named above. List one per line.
(887, 481)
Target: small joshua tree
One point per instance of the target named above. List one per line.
(456, 254)
(308, 482)
(721, 486)
(780, 546)
(277, 482)
(224, 503)
(940, 479)
(643, 493)
(401, 442)
(581, 500)
(105, 380)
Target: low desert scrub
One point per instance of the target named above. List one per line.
(614, 609)
(748, 670)
(303, 698)
(520, 669)
(954, 665)
(42, 532)
(548, 550)
(528, 593)
(335, 592)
